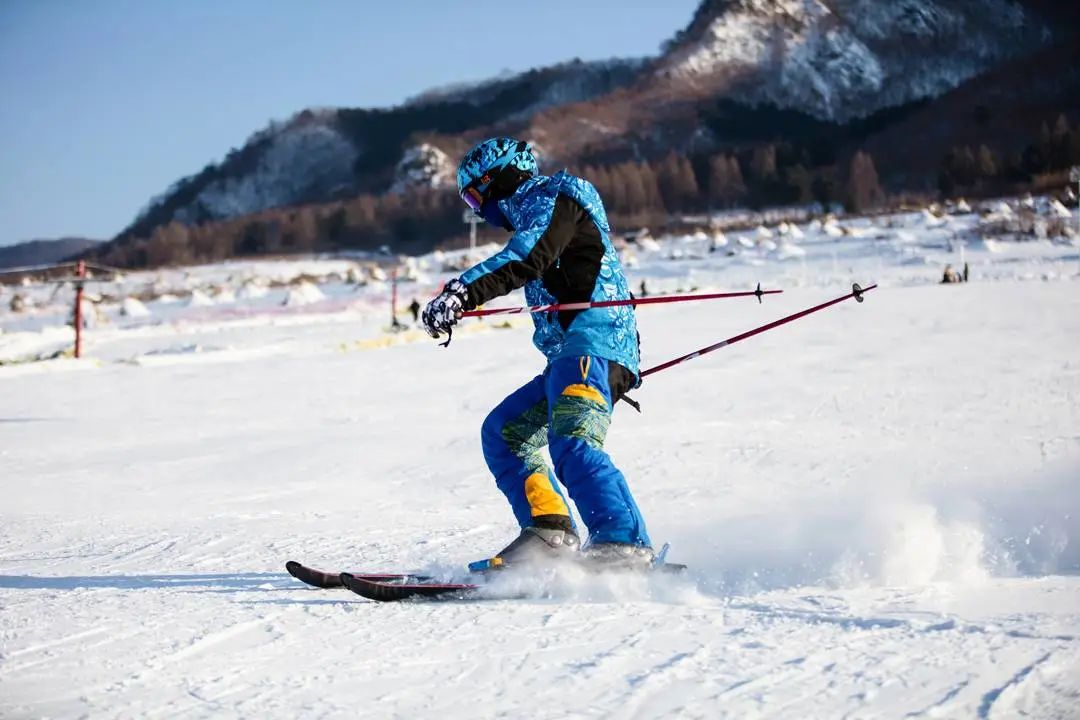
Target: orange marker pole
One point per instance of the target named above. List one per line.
(80, 272)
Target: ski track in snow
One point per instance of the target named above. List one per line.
(878, 505)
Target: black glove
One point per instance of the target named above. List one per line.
(445, 310)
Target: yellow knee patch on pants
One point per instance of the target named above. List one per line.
(543, 500)
(586, 392)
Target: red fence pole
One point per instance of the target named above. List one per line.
(394, 324)
(80, 273)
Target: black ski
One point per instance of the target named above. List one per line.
(405, 587)
(330, 580)
(392, 587)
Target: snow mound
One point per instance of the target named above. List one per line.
(252, 290)
(648, 244)
(832, 228)
(859, 232)
(133, 307)
(788, 250)
(931, 220)
(986, 244)
(303, 294)
(1056, 209)
(225, 295)
(199, 299)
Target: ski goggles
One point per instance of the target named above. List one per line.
(472, 195)
(475, 193)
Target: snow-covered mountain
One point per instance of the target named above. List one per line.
(832, 60)
(841, 59)
(309, 158)
(321, 154)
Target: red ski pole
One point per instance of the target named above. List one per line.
(615, 303)
(856, 292)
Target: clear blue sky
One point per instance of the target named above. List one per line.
(104, 103)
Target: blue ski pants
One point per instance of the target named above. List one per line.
(568, 408)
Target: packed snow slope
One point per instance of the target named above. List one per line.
(879, 504)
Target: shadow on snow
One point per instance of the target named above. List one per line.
(227, 582)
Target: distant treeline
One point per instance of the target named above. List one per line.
(982, 170)
(635, 194)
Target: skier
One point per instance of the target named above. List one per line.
(559, 252)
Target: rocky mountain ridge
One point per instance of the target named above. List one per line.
(832, 62)
(842, 59)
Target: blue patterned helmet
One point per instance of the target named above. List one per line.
(481, 164)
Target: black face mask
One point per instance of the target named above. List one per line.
(505, 184)
(493, 215)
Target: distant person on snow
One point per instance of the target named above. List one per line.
(559, 252)
(414, 308)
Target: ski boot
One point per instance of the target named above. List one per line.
(602, 557)
(542, 544)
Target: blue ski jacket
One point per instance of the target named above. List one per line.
(561, 252)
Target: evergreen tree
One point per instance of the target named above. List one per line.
(987, 163)
(864, 191)
(678, 186)
(763, 164)
(967, 168)
(689, 190)
(305, 229)
(726, 185)
(825, 187)
(636, 200)
(619, 193)
(800, 184)
(654, 202)
(603, 182)
(1060, 144)
(736, 183)
(332, 227)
